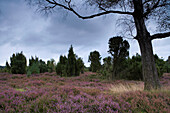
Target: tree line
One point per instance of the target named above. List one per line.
(67, 66)
(116, 66)
(119, 65)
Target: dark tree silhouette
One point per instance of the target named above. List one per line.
(94, 58)
(61, 66)
(118, 48)
(18, 63)
(139, 11)
(8, 66)
(71, 63)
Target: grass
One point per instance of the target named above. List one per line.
(21, 90)
(126, 87)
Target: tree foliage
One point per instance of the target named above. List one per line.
(18, 63)
(51, 65)
(33, 69)
(118, 48)
(71, 63)
(61, 66)
(71, 66)
(95, 58)
(106, 69)
(41, 64)
(131, 68)
(8, 67)
(79, 66)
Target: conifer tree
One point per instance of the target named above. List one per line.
(18, 63)
(8, 66)
(61, 66)
(79, 66)
(71, 63)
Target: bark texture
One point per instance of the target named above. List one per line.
(150, 73)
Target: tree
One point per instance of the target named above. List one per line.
(95, 58)
(41, 64)
(51, 65)
(168, 61)
(18, 63)
(32, 60)
(61, 66)
(118, 48)
(71, 66)
(136, 11)
(79, 66)
(107, 67)
(33, 69)
(8, 67)
(71, 63)
(162, 66)
(133, 70)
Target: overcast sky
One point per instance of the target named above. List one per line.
(24, 29)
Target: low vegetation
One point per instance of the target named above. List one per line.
(48, 92)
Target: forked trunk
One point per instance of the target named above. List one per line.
(150, 74)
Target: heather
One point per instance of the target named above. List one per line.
(48, 92)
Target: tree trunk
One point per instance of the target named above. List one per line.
(150, 74)
(114, 68)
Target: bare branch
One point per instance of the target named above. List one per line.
(156, 5)
(160, 35)
(69, 8)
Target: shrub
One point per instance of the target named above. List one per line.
(33, 69)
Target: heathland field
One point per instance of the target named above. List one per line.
(87, 93)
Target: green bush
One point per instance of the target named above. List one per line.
(33, 69)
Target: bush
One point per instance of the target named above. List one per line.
(33, 69)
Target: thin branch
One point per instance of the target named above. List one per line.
(160, 35)
(146, 1)
(156, 5)
(69, 8)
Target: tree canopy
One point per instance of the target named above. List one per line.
(18, 63)
(118, 48)
(95, 58)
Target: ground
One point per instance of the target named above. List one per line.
(48, 92)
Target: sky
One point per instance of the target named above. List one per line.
(22, 28)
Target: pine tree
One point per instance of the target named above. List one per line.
(71, 63)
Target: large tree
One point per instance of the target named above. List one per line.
(139, 12)
(119, 49)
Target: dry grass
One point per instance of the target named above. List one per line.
(126, 87)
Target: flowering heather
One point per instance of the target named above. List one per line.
(85, 94)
